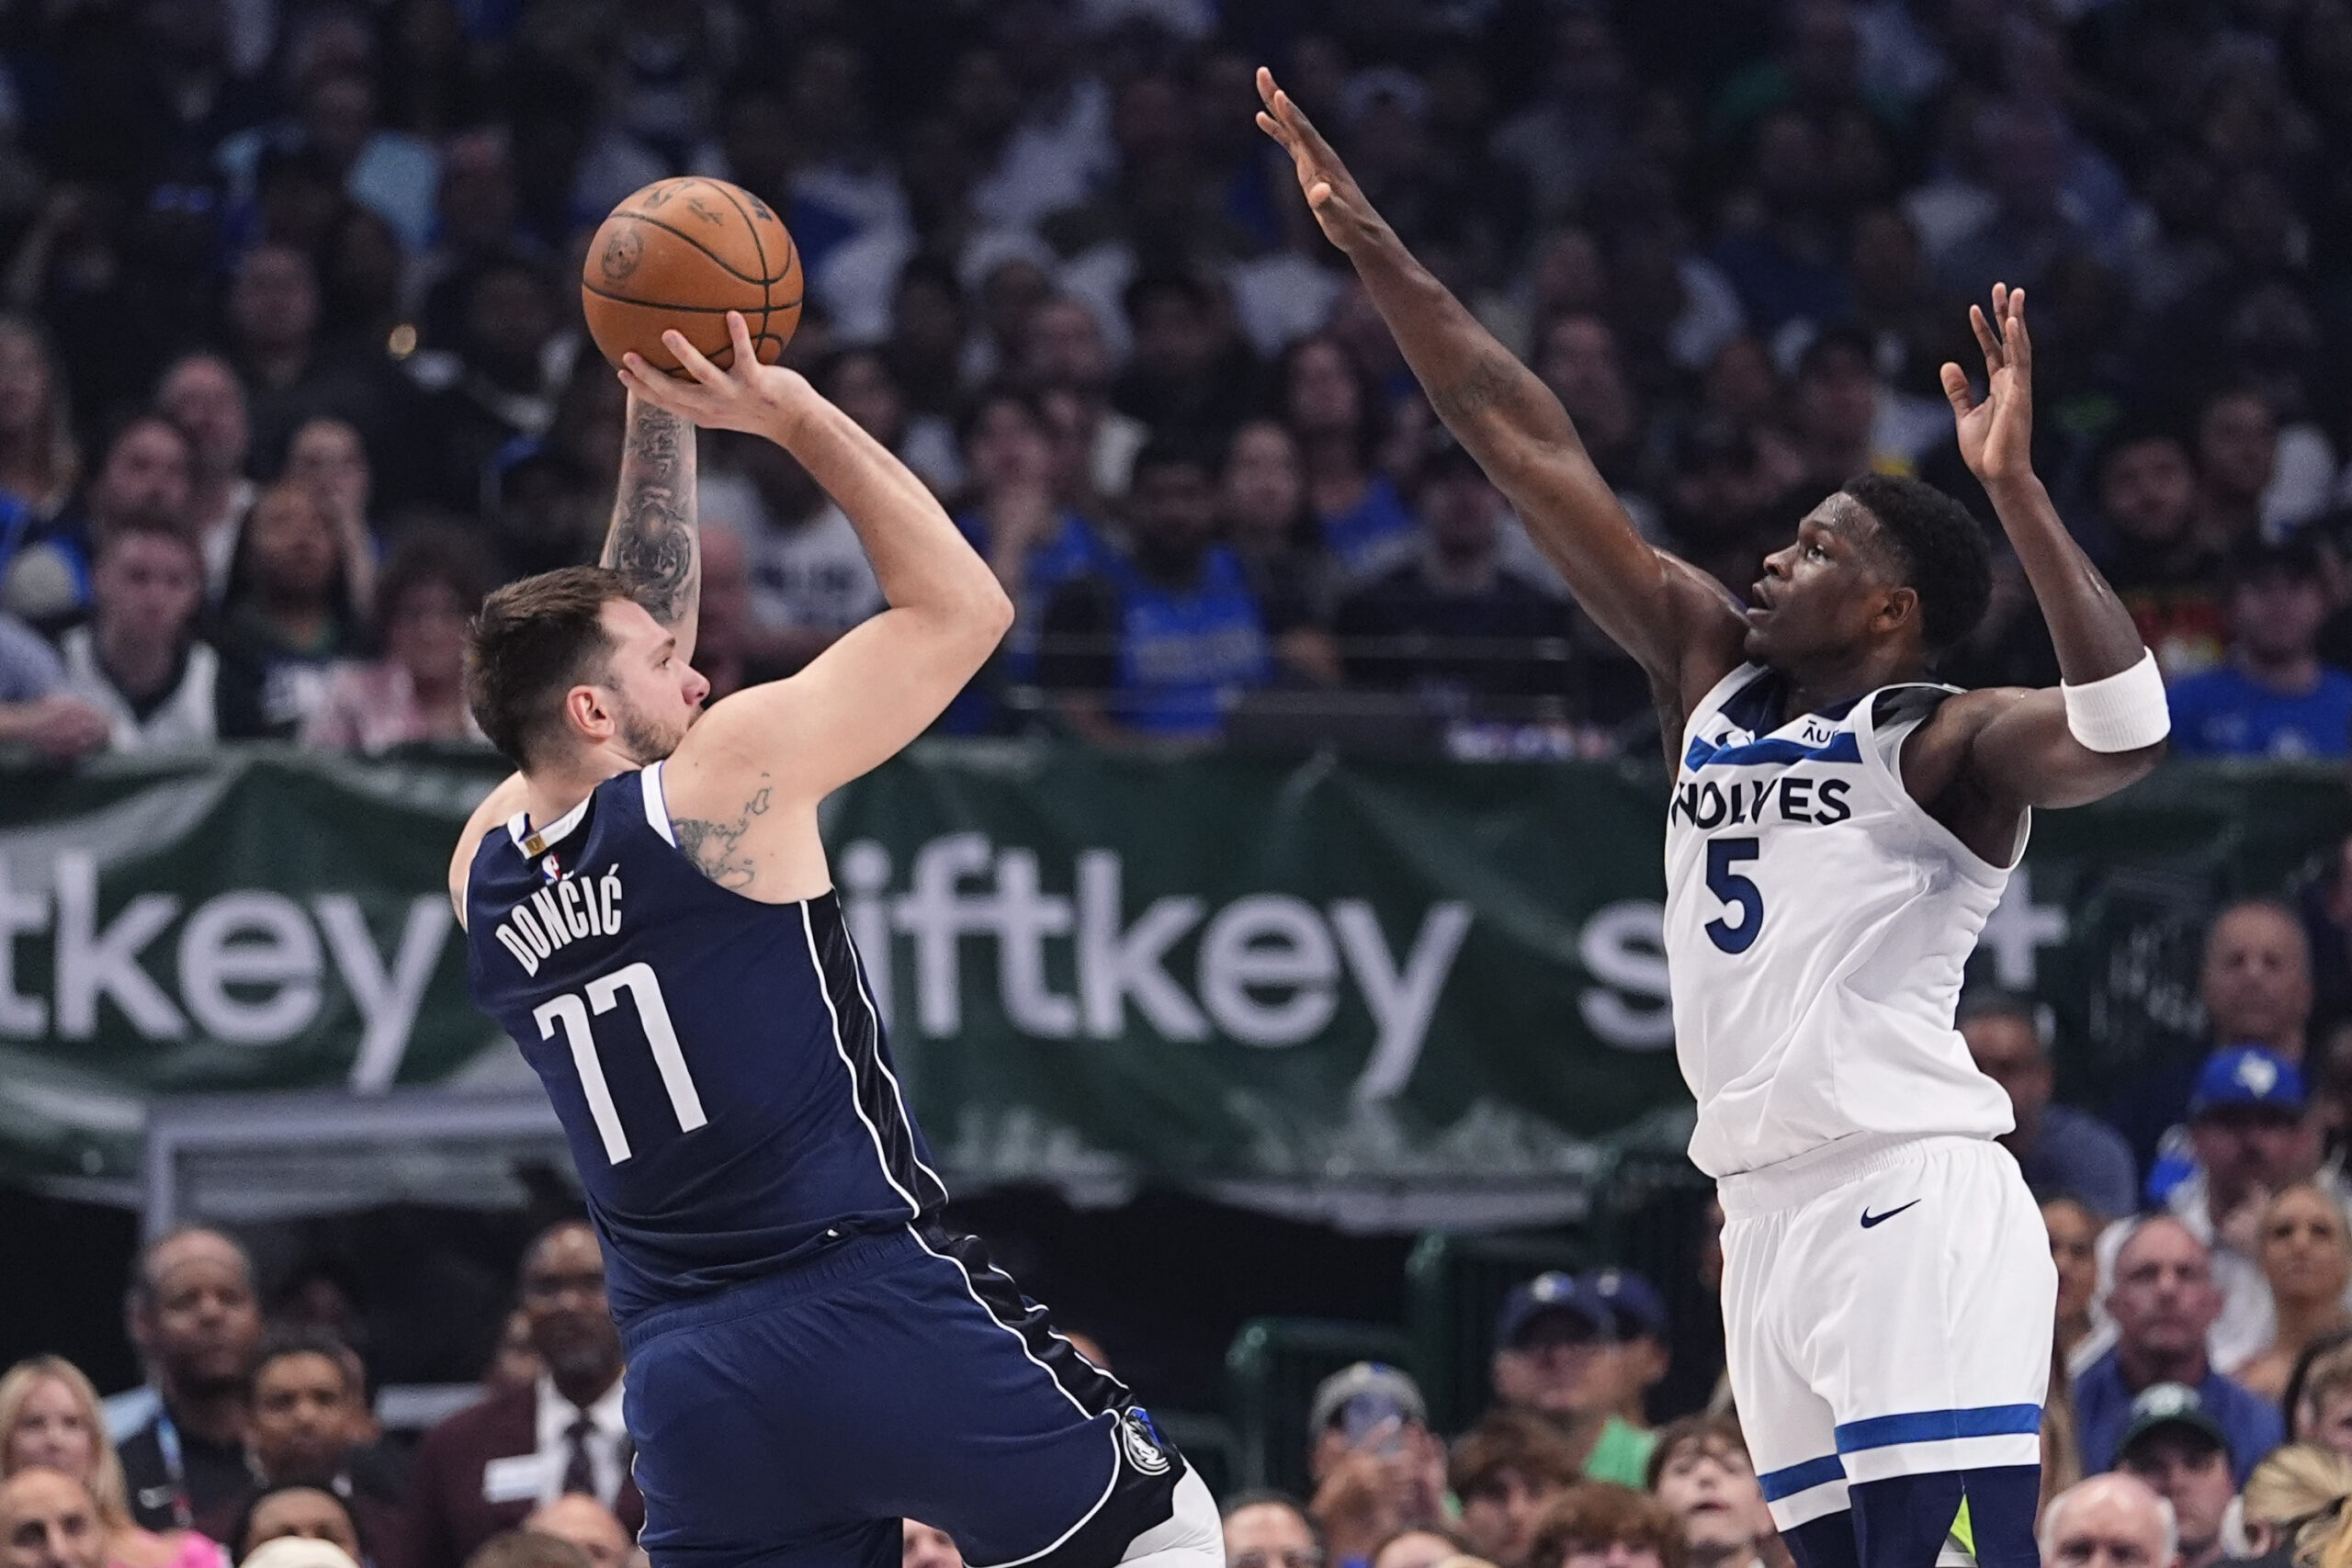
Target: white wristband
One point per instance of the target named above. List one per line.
(2121, 713)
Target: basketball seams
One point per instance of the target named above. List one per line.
(739, 276)
(759, 248)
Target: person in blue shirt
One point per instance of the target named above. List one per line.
(2163, 1302)
(1159, 643)
(2274, 697)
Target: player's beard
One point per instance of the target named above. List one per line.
(648, 740)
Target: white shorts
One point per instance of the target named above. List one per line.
(1887, 1311)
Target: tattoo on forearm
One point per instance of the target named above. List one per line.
(717, 848)
(1488, 384)
(652, 537)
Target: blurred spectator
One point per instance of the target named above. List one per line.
(144, 476)
(2178, 1447)
(501, 382)
(1421, 1546)
(2159, 559)
(202, 397)
(1555, 1342)
(311, 1423)
(1597, 1524)
(1334, 416)
(328, 457)
(1702, 1472)
(138, 661)
(1642, 1352)
(724, 644)
(194, 1320)
(528, 1549)
(34, 711)
(50, 1419)
(2293, 1502)
(1836, 401)
(2251, 1133)
(1376, 1468)
(594, 1529)
(515, 1363)
(2320, 1401)
(1158, 642)
(2082, 1335)
(1191, 375)
(1784, 249)
(863, 383)
(1267, 1529)
(2273, 698)
(2256, 980)
(476, 214)
(335, 127)
(2163, 1302)
(426, 597)
(49, 1520)
(1456, 625)
(2062, 1152)
(810, 579)
(1507, 1471)
(1033, 545)
(482, 1470)
(2109, 1521)
(1576, 358)
(1581, 117)
(2237, 450)
(922, 1546)
(1066, 353)
(301, 1509)
(291, 613)
(2305, 1251)
(42, 569)
(292, 375)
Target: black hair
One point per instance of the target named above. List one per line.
(284, 1340)
(1170, 452)
(1939, 550)
(2142, 428)
(263, 1493)
(1992, 1001)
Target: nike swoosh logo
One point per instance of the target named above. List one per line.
(1869, 1219)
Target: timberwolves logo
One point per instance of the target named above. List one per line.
(1139, 1440)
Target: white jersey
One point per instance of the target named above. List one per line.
(1817, 920)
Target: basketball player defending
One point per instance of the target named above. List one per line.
(810, 1354)
(1840, 830)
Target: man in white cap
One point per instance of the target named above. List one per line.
(1377, 1468)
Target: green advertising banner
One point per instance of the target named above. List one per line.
(1386, 994)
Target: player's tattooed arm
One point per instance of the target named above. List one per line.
(717, 848)
(653, 539)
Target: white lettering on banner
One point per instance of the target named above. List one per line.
(2018, 929)
(1026, 917)
(1401, 1003)
(936, 915)
(864, 872)
(217, 950)
(1114, 964)
(1623, 947)
(1269, 940)
(251, 965)
(21, 914)
(92, 963)
(387, 1000)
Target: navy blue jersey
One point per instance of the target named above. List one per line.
(717, 1061)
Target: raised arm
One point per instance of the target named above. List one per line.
(652, 540)
(883, 681)
(2008, 749)
(1678, 621)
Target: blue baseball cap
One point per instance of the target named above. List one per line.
(1635, 1309)
(1550, 1292)
(2247, 1074)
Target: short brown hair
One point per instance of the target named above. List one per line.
(531, 640)
(1510, 1439)
(527, 1548)
(1599, 1514)
(1711, 1432)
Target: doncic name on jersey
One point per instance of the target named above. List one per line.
(561, 913)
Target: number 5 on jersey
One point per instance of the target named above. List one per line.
(653, 1017)
(1737, 892)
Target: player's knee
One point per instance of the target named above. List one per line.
(1191, 1536)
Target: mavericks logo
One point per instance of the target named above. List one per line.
(1140, 1443)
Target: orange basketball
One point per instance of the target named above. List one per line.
(682, 253)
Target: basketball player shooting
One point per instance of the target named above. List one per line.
(812, 1355)
(1838, 832)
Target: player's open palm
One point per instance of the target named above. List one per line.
(1332, 193)
(1997, 434)
(763, 399)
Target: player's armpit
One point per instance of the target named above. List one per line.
(2009, 748)
(496, 807)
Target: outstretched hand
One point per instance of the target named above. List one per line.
(1997, 434)
(764, 399)
(1332, 193)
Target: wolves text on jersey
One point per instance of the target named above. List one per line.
(1814, 801)
(559, 914)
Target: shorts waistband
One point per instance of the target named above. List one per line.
(1796, 1182)
(843, 1259)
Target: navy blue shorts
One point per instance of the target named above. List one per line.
(797, 1419)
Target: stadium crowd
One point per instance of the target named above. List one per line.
(290, 377)
(290, 371)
